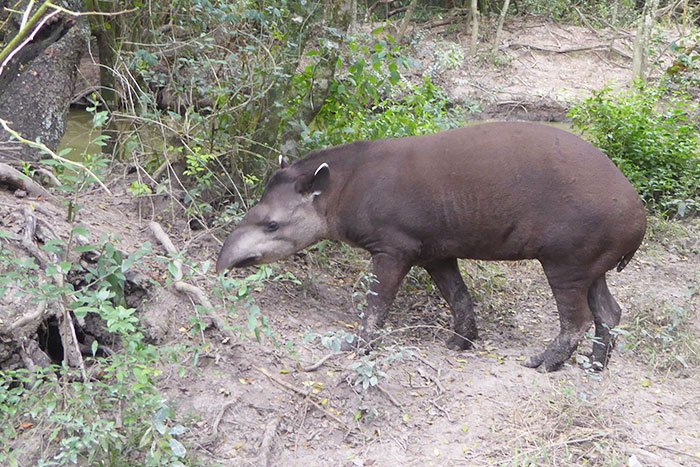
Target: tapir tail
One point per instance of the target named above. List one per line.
(625, 259)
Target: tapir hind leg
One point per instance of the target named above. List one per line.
(446, 275)
(575, 317)
(606, 315)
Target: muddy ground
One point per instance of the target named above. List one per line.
(255, 403)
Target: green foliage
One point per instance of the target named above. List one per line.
(662, 333)
(372, 100)
(112, 414)
(602, 14)
(650, 136)
(684, 71)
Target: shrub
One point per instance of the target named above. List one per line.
(650, 136)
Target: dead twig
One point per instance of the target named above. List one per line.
(306, 394)
(441, 409)
(675, 451)
(217, 421)
(319, 363)
(195, 293)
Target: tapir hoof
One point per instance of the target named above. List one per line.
(592, 362)
(457, 342)
(542, 364)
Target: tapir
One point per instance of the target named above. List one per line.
(493, 191)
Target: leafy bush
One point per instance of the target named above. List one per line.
(117, 411)
(371, 100)
(649, 134)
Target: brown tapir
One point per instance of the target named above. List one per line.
(495, 191)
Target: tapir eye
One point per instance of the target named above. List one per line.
(272, 226)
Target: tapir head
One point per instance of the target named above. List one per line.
(286, 220)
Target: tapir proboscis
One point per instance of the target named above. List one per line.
(494, 191)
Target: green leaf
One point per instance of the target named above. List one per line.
(177, 447)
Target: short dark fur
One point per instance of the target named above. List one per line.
(500, 191)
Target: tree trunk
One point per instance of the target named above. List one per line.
(499, 29)
(641, 40)
(475, 27)
(36, 87)
(337, 14)
(407, 17)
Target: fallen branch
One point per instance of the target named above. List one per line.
(390, 396)
(45, 149)
(192, 291)
(453, 18)
(16, 180)
(306, 394)
(584, 48)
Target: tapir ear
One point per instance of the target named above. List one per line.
(284, 162)
(315, 183)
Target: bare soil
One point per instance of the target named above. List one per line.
(434, 406)
(250, 403)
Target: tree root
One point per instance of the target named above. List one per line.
(306, 394)
(16, 180)
(195, 293)
(31, 319)
(318, 364)
(266, 445)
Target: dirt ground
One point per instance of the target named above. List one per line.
(250, 403)
(440, 407)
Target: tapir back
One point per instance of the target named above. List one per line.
(491, 191)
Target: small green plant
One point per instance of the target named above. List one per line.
(447, 56)
(97, 419)
(650, 136)
(369, 370)
(662, 334)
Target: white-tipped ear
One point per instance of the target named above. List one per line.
(284, 163)
(321, 167)
(281, 160)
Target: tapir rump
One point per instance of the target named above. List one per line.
(496, 191)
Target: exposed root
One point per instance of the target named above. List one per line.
(266, 445)
(319, 363)
(28, 318)
(16, 180)
(306, 394)
(194, 292)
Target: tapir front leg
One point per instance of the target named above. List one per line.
(388, 272)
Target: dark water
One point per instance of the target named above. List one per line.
(79, 135)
